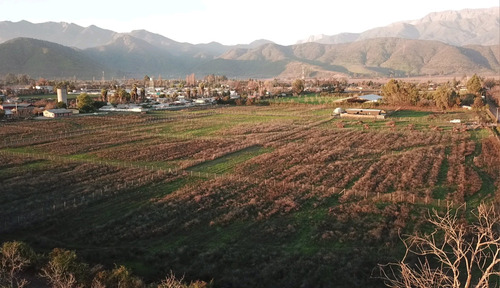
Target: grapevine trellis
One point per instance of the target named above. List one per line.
(312, 159)
(148, 176)
(57, 135)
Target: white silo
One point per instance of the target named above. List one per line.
(62, 95)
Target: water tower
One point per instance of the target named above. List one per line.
(62, 95)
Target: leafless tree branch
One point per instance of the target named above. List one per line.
(455, 254)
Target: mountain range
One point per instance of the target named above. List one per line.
(445, 43)
(457, 28)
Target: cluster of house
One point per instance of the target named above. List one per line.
(159, 98)
(26, 109)
(157, 93)
(159, 104)
(10, 109)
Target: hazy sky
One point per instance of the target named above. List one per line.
(231, 21)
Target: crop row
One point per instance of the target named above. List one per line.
(92, 142)
(32, 132)
(51, 187)
(185, 152)
(489, 159)
(408, 171)
(217, 202)
(369, 163)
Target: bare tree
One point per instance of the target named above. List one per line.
(455, 254)
(62, 270)
(120, 276)
(172, 282)
(14, 257)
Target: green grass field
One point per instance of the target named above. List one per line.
(228, 162)
(311, 99)
(46, 96)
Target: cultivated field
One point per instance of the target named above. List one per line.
(256, 196)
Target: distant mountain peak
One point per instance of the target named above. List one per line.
(67, 34)
(312, 38)
(260, 42)
(40, 58)
(459, 28)
(454, 15)
(397, 50)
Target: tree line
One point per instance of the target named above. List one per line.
(445, 96)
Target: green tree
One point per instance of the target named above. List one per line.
(478, 102)
(400, 92)
(118, 277)
(201, 87)
(474, 85)
(61, 104)
(99, 104)
(142, 94)
(123, 95)
(113, 99)
(85, 104)
(104, 95)
(445, 97)
(133, 94)
(62, 84)
(63, 270)
(14, 258)
(298, 86)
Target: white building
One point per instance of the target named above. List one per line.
(371, 98)
(57, 113)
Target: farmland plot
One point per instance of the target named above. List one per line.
(248, 196)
